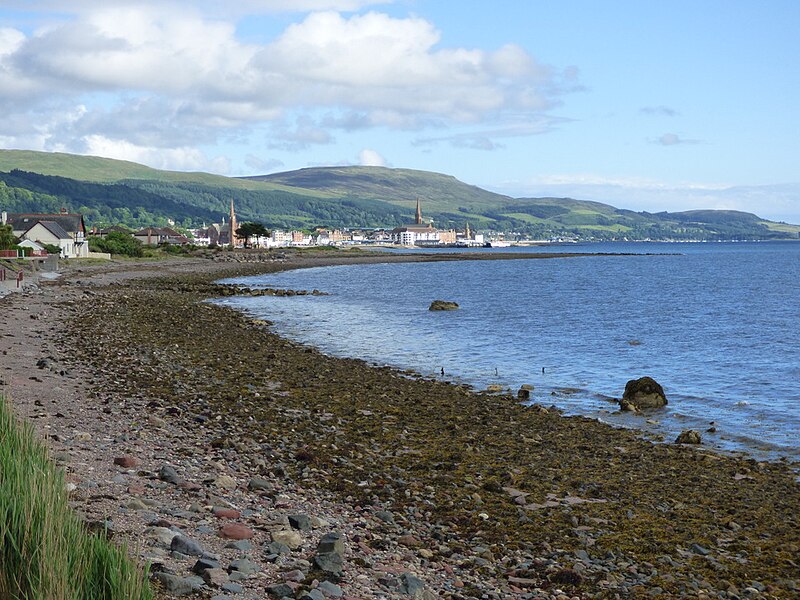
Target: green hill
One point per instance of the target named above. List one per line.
(110, 191)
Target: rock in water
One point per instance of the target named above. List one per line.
(690, 436)
(443, 305)
(524, 392)
(643, 393)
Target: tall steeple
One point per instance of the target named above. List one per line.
(233, 226)
(418, 217)
(467, 232)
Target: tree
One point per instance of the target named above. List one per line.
(7, 239)
(249, 230)
(117, 242)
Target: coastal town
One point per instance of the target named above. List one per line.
(68, 233)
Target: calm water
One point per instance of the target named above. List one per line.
(717, 325)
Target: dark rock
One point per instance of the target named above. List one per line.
(690, 436)
(301, 522)
(257, 484)
(178, 586)
(524, 392)
(169, 474)
(443, 305)
(312, 595)
(280, 590)
(385, 516)
(277, 548)
(411, 586)
(244, 565)
(330, 554)
(241, 545)
(330, 589)
(187, 546)
(643, 393)
(203, 564)
(566, 577)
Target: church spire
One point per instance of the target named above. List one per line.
(233, 226)
(418, 216)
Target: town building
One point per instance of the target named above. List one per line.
(65, 230)
(422, 234)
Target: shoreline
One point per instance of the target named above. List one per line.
(485, 497)
(599, 402)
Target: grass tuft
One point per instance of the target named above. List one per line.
(46, 553)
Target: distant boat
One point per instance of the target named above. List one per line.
(497, 244)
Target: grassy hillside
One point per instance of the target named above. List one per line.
(109, 191)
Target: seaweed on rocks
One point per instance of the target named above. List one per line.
(525, 495)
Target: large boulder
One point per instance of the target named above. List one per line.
(443, 305)
(690, 436)
(643, 393)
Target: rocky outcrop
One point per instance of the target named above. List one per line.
(643, 393)
(443, 305)
(690, 436)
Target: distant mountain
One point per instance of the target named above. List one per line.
(108, 191)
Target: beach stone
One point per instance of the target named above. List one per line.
(126, 462)
(258, 484)
(275, 548)
(524, 392)
(235, 531)
(240, 545)
(314, 594)
(187, 546)
(244, 565)
(280, 590)
(205, 563)
(443, 305)
(330, 554)
(225, 513)
(169, 474)
(162, 535)
(644, 392)
(225, 482)
(330, 589)
(690, 436)
(300, 522)
(232, 587)
(287, 537)
(178, 586)
(215, 577)
(411, 585)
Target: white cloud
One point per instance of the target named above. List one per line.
(167, 75)
(176, 159)
(371, 158)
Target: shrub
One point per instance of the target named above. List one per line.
(117, 242)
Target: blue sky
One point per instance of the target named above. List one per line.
(644, 105)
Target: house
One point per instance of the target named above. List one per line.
(50, 232)
(65, 230)
(153, 236)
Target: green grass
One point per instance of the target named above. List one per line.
(46, 553)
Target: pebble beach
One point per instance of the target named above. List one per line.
(242, 465)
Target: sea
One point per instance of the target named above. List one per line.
(716, 324)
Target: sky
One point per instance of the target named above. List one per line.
(644, 105)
